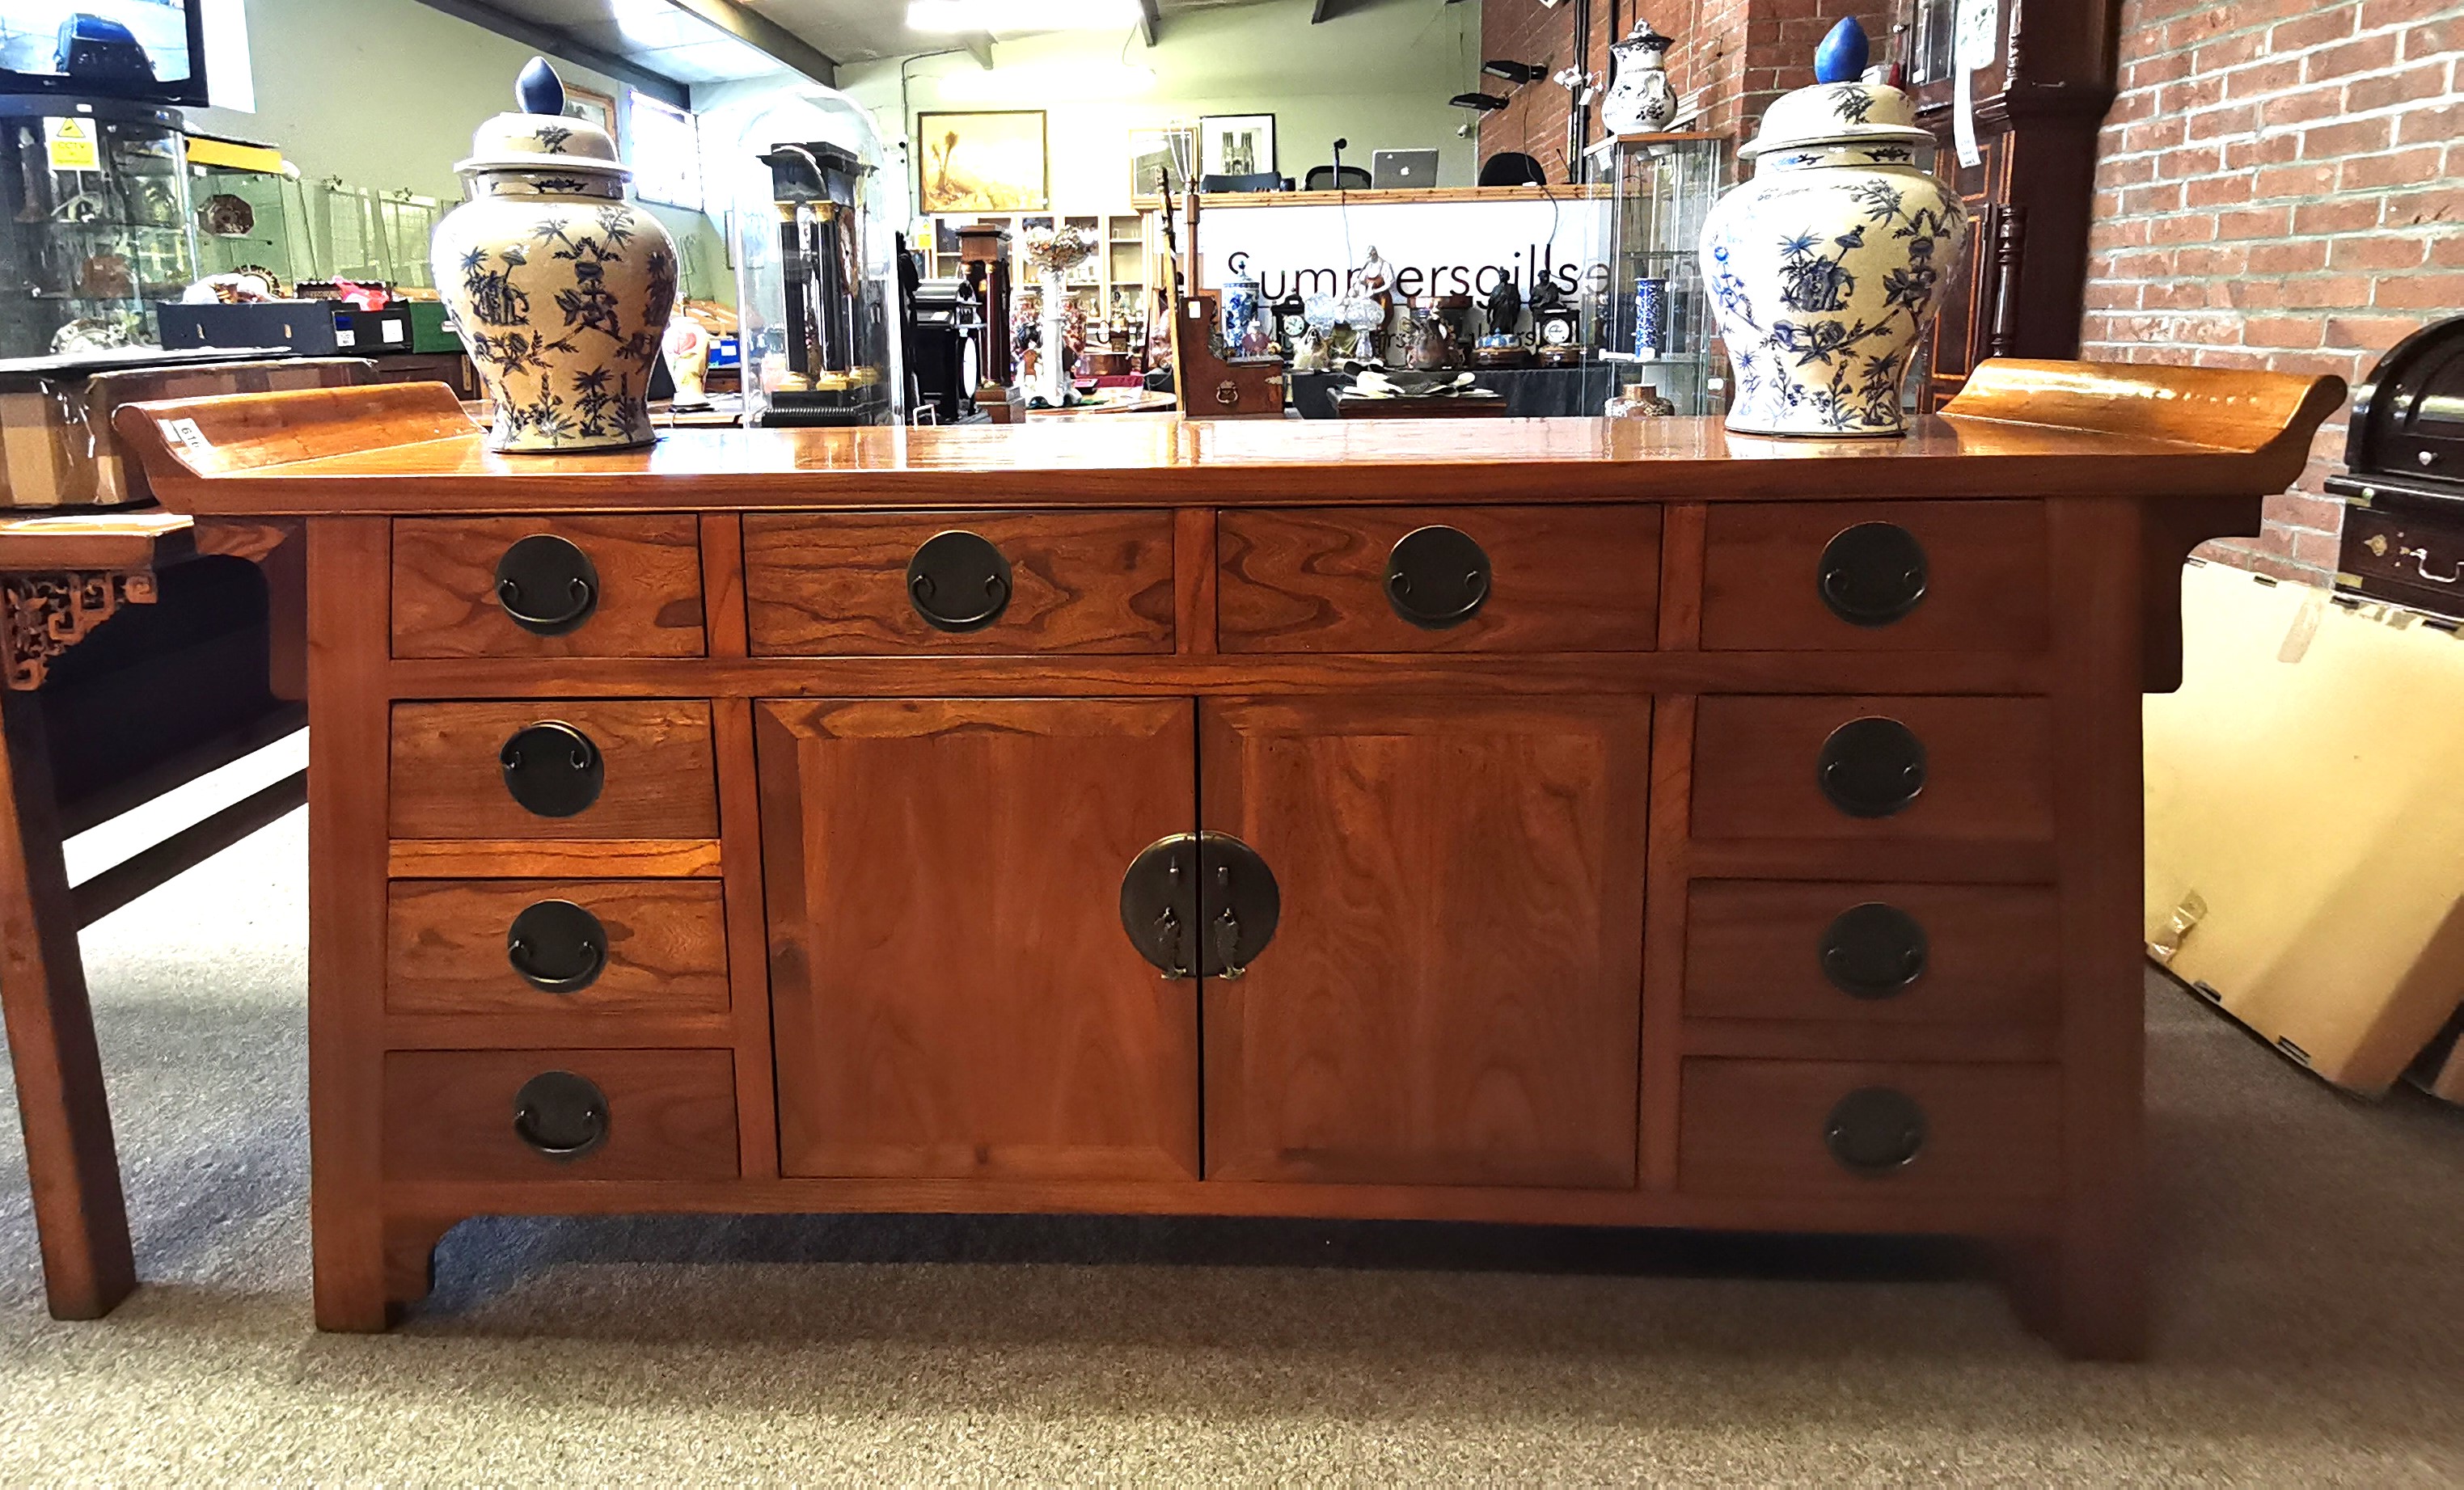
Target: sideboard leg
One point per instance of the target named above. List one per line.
(347, 763)
(410, 1256)
(71, 1161)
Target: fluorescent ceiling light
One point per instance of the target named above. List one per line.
(1015, 15)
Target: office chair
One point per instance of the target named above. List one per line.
(1512, 169)
(1264, 181)
(1323, 178)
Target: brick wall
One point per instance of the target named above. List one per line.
(1738, 54)
(2280, 184)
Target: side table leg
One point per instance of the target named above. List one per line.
(88, 1266)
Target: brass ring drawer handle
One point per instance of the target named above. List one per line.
(1872, 768)
(552, 769)
(959, 582)
(544, 569)
(557, 947)
(1873, 573)
(1874, 951)
(1438, 577)
(560, 1115)
(1875, 1131)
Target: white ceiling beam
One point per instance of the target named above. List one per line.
(766, 37)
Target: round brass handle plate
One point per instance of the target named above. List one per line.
(1872, 768)
(1875, 1131)
(561, 1116)
(959, 582)
(1873, 573)
(1874, 951)
(552, 769)
(557, 947)
(546, 586)
(1438, 577)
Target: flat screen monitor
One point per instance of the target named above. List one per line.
(152, 50)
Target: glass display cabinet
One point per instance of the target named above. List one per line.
(1652, 320)
(250, 211)
(94, 222)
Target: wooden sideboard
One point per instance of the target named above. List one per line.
(1594, 822)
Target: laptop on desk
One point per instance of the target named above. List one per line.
(1403, 171)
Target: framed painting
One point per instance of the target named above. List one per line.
(595, 108)
(1236, 145)
(982, 163)
(1162, 155)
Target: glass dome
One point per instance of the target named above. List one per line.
(818, 208)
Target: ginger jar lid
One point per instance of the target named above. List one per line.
(542, 136)
(1841, 108)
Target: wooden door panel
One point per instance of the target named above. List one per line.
(951, 990)
(1453, 993)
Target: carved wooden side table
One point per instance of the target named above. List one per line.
(196, 705)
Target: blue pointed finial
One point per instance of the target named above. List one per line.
(539, 91)
(1842, 57)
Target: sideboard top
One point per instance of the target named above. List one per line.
(2021, 428)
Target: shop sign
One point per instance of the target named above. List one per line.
(1437, 247)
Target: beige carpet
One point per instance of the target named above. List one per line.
(2310, 1252)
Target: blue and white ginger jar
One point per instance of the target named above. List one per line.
(560, 287)
(1828, 266)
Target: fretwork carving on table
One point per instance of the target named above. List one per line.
(46, 614)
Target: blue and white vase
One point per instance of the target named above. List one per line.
(1640, 100)
(1826, 268)
(1650, 318)
(560, 287)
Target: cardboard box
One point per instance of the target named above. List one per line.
(2305, 822)
(57, 444)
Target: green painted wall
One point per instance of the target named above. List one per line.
(1379, 73)
(386, 92)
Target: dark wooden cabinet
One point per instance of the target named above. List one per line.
(2038, 105)
(951, 990)
(1453, 993)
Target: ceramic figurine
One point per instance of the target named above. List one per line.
(560, 287)
(1826, 267)
(1640, 100)
(687, 345)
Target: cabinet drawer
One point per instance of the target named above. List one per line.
(1824, 1128)
(1945, 577)
(1865, 768)
(555, 947)
(493, 1114)
(582, 587)
(638, 770)
(1938, 953)
(865, 583)
(1329, 580)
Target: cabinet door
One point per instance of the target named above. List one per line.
(1455, 990)
(951, 990)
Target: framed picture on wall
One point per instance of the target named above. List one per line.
(982, 163)
(594, 108)
(1159, 155)
(1236, 145)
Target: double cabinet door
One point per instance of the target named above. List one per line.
(1451, 994)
